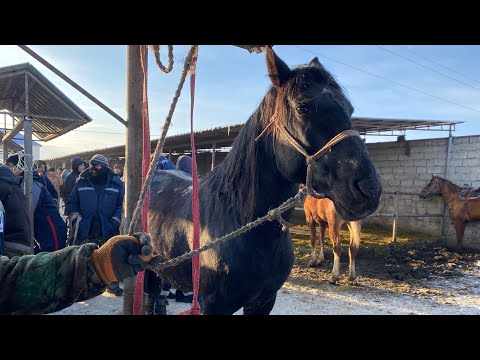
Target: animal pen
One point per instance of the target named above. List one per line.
(366, 126)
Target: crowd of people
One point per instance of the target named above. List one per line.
(76, 234)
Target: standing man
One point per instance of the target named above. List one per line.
(95, 206)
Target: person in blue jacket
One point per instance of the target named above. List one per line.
(49, 229)
(41, 169)
(95, 206)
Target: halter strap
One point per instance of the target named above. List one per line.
(310, 158)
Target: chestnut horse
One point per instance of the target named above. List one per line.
(463, 203)
(323, 213)
(302, 111)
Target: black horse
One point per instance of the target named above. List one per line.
(257, 176)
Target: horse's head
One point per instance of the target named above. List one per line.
(433, 187)
(310, 108)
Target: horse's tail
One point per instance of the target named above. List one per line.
(355, 228)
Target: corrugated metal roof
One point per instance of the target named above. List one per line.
(225, 135)
(53, 113)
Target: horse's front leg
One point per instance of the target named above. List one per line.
(263, 305)
(337, 250)
(313, 242)
(355, 228)
(321, 240)
(460, 231)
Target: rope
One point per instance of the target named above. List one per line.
(161, 141)
(195, 309)
(274, 214)
(156, 52)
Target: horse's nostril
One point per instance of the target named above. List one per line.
(367, 187)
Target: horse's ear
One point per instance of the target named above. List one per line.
(316, 63)
(278, 71)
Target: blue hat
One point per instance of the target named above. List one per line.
(184, 163)
(164, 164)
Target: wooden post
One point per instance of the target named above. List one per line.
(133, 154)
(28, 174)
(447, 166)
(395, 219)
(213, 156)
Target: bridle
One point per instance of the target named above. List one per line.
(435, 183)
(310, 158)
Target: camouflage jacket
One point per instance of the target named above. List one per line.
(48, 282)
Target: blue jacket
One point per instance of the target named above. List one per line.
(71, 178)
(47, 182)
(50, 231)
(107, 204)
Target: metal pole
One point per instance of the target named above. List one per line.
(213, 156)
(133, 154)
(28, 174)
(447, 165)
(71, 82)
(395, 219)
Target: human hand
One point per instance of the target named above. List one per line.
(123, 256)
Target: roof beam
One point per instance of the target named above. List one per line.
(72, 83)
(16, 129)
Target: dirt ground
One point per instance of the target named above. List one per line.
(416, 276)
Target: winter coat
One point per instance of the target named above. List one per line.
(48, 282)
(50, 231)
(71, 178)
(107, 204)
(18, 229)
(50, 188)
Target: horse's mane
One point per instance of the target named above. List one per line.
(235, 181)
(455, 186)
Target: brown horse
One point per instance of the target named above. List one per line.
(463, 204)
(323, 212)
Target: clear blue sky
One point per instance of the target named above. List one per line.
(231, 83)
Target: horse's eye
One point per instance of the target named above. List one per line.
(302, 110)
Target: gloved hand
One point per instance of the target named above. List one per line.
(123, 256)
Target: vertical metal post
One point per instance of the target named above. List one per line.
(395, 218)
(214, 146)
(28, 174)
(133, 154)
(447, 166)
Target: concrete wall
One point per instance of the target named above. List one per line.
(409, 166)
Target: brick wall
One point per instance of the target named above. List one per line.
(409, 166)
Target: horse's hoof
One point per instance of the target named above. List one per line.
(332, 280)
(312, 263)
(353, 281)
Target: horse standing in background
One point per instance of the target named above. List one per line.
(323, 213)
(463, 203)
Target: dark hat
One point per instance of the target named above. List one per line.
(99, 159)
(13, 159)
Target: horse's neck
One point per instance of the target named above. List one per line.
(273, 188)
(449, 190)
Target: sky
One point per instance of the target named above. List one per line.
(422, 82)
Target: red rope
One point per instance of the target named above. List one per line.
(138, 297)
(195, 309)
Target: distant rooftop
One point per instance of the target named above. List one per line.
(54, 114)
(225, 135)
